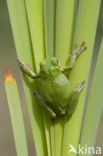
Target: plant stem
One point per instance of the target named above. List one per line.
(35, 13)
(65, 21)
(49, 18)
(22, 38)
(52, 135)
(85, 31)
(95, 105)
(16, 115)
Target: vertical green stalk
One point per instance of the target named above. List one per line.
(23, 44)
(58, 133)
(65, 21)
(49, 18)
(16, 115)
(85, 31)
(95, 105)
(35, 12)
(52, 137)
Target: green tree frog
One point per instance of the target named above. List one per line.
(54, 90)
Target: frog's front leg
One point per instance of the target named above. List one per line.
(27, 70)
(45, 105)
(72, 58)
(74, 97)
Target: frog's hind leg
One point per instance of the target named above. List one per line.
(26, 69)
(74, 97)
(50, 111)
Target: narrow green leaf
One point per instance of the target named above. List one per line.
(16, 115)
(95, 104)
(20, 27)
(65, 19)
(85, 31)
(58, 127)
(52, 137)
(49, 18)
(35, 13)
(64, 31)
(46, 120)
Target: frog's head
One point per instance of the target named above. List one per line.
(49, 64)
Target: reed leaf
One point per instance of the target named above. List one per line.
(49, 19)
(65, 24)
(64, 32)
(22, 38)
(85, 31)
(35, 13)
(16, 115)
(95, 105)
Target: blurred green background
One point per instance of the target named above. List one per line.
(8, 60)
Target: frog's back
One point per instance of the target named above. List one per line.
(55, 91)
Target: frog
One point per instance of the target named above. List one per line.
(54, 90)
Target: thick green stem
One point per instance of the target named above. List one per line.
(85, 31)
(16, 115)
(22, 38)
(49, 18)
(35, 13)
(65, 19)
(95, 105)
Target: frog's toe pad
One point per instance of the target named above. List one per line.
(80, 86)
(78, 51)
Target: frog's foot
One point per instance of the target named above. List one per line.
(26, 68)
(29, 66)
(80, 86)
(77, 51)
(20, 64)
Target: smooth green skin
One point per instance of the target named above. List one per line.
(54, 90)
(54, 87)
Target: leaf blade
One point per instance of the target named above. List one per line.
(81, 70)
(16, 115)
(49, 19)
(95, 106)
(64, 34)
(22, 38)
